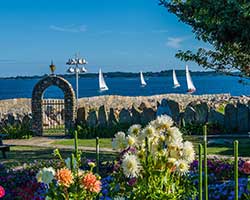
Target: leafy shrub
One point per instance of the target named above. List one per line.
(221, 108)
(153, 163)
(86, 132)
(17, 131)
(197, 129)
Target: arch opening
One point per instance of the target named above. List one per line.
(43, 108)
(53, 111)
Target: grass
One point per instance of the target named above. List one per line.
(25, 154)
(19, 155)
(104, 142)
(217, 149)
(226, 149)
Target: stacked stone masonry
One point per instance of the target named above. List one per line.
(105, 111)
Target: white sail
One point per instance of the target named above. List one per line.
(102, 84)
(143, 83)
(190, 85)
(176, 82)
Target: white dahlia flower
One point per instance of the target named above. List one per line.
(45, 175)
(175, 149)
(182, 166)
(162, 122)
(131, 165)
(119, 142)
(149, 131)
(173, 135)
(134, 129)
(188, 152)
(132, 140)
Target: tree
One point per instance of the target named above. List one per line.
(224, 24)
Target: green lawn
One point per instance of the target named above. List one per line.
(19, 155)
(218, 149)
(25, 154)
(104, 142)
(223, 149)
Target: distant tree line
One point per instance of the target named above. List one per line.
(122, 74)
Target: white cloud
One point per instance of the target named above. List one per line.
(71, 28)
(175, 42)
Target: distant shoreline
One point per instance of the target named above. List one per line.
(120, 74)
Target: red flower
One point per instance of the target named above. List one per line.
(2, 192)
(246, 167)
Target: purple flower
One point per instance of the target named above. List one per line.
(132, 181)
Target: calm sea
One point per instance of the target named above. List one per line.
(128, 87)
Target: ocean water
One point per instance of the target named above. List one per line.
(128, 87)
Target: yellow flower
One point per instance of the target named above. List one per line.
(91, 164)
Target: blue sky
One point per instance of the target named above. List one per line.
(116, 35)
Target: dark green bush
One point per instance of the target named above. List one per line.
(197, 129)
(16, 131)
(86, 132)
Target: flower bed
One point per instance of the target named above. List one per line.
(154, 163)
(221, 185)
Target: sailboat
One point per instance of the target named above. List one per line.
(190, 84)
(176, 82)
(102, 84)
(143, 83)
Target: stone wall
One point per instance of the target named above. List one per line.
(106, 111)
(234, 118)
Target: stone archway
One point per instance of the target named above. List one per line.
(36, 104)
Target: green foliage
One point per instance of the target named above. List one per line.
(154, 183)
(86, 132)
(221, 108)
(17, 131)
(224, 25)
(197, 129)
(164, 185)
(74, 187)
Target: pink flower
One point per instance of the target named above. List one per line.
(2, 192)
(90, 183)
(246, 167)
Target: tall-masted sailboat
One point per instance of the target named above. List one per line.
(176, 82)
(143, 82)
(102, 84)
(190, 84)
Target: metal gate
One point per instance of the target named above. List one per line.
(53, 116)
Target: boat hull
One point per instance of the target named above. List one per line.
(190, 91)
